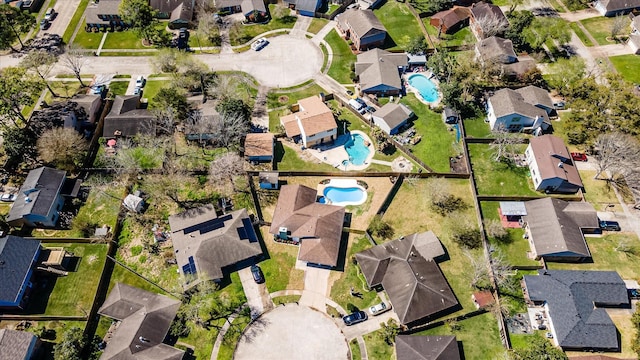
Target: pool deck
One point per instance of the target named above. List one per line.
(336, 154)
(429, 75)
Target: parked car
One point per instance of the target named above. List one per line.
(50, 14)
(559, 105)
(349, 92)
(355, 318)
(578, 156)
(97, 89)
(44, 24)
(370, 109)
(379, 309)
(609, 225)
(259, 44)
(137, 91)
(634, 293)
(361, 102)
(8, 197)
(140, 81)
(258, 277)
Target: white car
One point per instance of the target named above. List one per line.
(140, 81)
(8, 197)
(259, 44)
(379, 309)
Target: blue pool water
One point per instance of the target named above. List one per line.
(356, 149)
(425, 86)
(345, 196)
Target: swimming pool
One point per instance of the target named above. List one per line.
(357, 150)
(427, 89)
(343, 196)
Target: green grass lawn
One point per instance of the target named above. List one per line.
(436, 145)
(151, 88)
(279, 269)
(599, 193)
(118, 87)
(123, 275)
(250, 31)
(123, 40)
(351, 277)
(463, 36)
(72, 294)
(556, 5)
(574, 5)
(477, 128)
(498, 178)
(401, 25)
(342, 59)
(479, 336)
(627, 66)
(288, 159)
(317, 24)
(230, 339)
(74, 21)
(277, 98)
(581, 35)
(64, 89)
(600, 28)
(377, 348)
(355, 350)
(88, 40)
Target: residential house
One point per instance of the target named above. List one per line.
(616, 7)
(104, 15)
(179, 12)
(368, 4)
(258, 147)
(437, 347)
(316, 227)
(91, 105)
(538, 97)
(634, 37)
(41, 197)
(407, 271)
(507, 110)
(555, 229)
(313, 123)
(18, 258)
(126, 119)
(573, 300)
(362, 27)
(144, 320)
(451, 20)
(392, 117)
(18, 345)
(269, 180)
(551, 166)
(496, 51)
(305, 7)
(253, 10)
(483, 13)
(206, 245)
(450, 116)
(379, 72)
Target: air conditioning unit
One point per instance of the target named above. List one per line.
(283, 233)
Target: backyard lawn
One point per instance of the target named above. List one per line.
(288, 159)
(342, 59)
(401, 25)
(279, 268)
(473, 345)
(377, 348)
(600, 28)
(463, 36)
(437, 143)
(627, 66)
(477, 128)
(498, 178)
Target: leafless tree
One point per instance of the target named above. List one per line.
(226, 167)
(224, 130)
(618, 155)
(491, 25)
(498, 267)
(495, 230)
(619, 24)
(63, 147)
(224, 87)
(166, 60)
(74, 60)
(165, 121)
(504, 144)
(40, 62)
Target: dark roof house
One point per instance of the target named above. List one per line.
(482, 12)
(451, 20)
(391, 117)
(205, 244)
(495, 49)
(362, 27)
(573, 299)
(126, 119)
(408, 273)
(179, 12)
(551, 166)
(17, 345)
(145, 319)
(317, 227)
(439, 347)
(616, 7)
(17, 260)
(556, 228)
(508, 110)
(379, 71)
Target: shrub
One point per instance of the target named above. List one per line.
(445, 204)
(136, 250)
(463, 232)
(380, 228)
(351, 308)
(495, 230)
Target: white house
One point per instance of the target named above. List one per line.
(616, 7)
(313, 124)
(551, 166)
(519, 110)
(391, 117)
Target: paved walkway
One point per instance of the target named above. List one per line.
(223, 331)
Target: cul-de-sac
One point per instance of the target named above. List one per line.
(319, 179)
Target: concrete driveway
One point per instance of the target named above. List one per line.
(292, 332)
(257, 294)
(65, 10)
(365, 327)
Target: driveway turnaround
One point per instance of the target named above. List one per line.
(292, 332)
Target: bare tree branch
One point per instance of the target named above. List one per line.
(74, 60)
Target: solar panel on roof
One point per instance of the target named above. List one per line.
(209, 225)
(250, 232)
(189, 268)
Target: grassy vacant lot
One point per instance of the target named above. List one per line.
(342, 60)
(287, 98)
(410, 212)
(627, 66)
(400, 23)
(74, 21)
(436, 145)
(316, 25)
(377, 348)
(279, 268)
(600, 28)
(463, 36)
(477, 128)
(72, 294)
(475, 346)
(581, 35)
(498, 178)
(250, 31)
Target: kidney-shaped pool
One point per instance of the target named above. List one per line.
(344, 196)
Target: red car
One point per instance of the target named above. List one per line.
(578, 156)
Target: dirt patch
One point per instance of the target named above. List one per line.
(283, 99)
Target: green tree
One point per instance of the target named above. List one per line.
(390, 330)
(13, 23)
(417, 45)
(380, 228)
(172, 97)
(139, 15)
(544, 28)
(40, 62)
(518, 21)
(564, 73)
(19, 145)
(234, 107)
(539, 349)
(17, 89)
(71, 345)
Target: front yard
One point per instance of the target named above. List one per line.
(600, 28)
(499, 178)
(243, 33)
(627, 66)
(279, 267)
(400, 23)
(342, 59)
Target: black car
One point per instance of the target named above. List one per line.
(609, 225)
(356, 317)
(257, 274)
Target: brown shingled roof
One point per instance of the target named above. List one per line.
(549, 151)
(314, 117)
(438, 347)
(258, 144)
(451, 18)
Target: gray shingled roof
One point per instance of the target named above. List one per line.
(549, 151)
(307, 5)
(361, 22)
(496, 48)
(481, 9)
(127, 118)
(571, 296)
(104, 7)
(556, 226)
(394, 114)
(17, 256)
(379, 67)
(212, 242)
(508, 101)
(536, 96)
(438, 347)
(415, 285)
(38, 193)
(616, 5)
(15, 344)
(146, 318)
